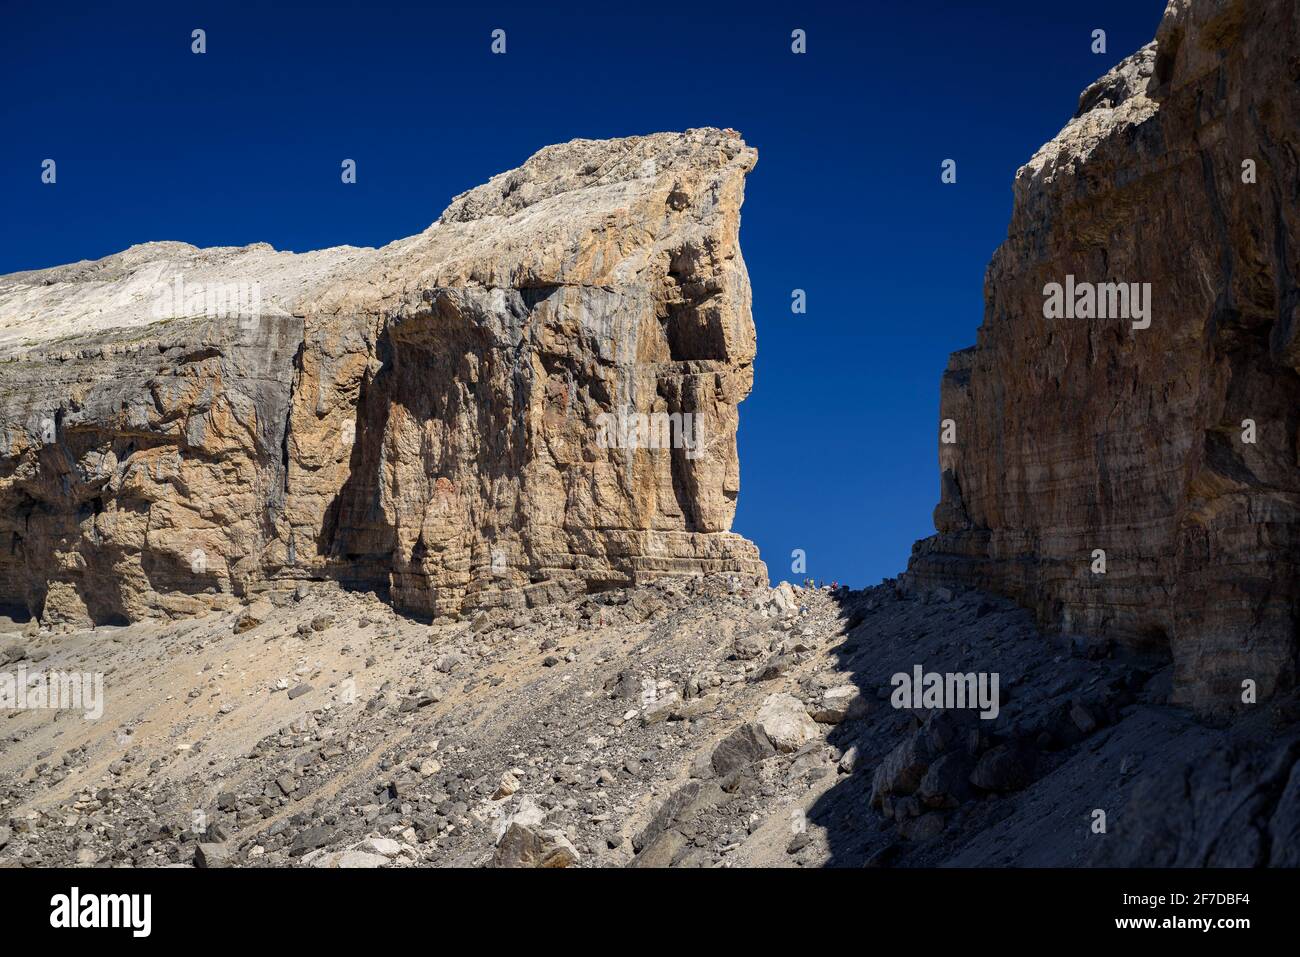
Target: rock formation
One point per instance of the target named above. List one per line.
(1170, 448)
(494, 414)
(534, 396)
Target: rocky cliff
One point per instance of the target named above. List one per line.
(1135, 476)
(535, 396)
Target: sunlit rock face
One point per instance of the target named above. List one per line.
(537, 395)
(1171, 447)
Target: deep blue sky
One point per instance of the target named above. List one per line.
(243, 144)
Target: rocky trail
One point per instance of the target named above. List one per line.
(693, 722)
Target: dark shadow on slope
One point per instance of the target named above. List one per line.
(1083, 737)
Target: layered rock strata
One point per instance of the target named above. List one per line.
(534, 396)
(1140, 481)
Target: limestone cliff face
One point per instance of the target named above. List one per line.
(456, 420)
(1081, 434)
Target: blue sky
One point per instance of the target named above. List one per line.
(243, 144)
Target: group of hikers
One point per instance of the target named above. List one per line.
(811, 583)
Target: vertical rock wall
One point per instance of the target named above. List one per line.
(1180, 169)
(535, 396)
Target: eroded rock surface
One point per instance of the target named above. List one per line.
(448, 421)
(1076, 435)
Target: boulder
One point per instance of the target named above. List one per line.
(1005, 767)
(508, 785)
(383, 846)
(661, 709)
(313, 838)
(946, 782)
(786, 722)
(212, 855)
(741, 748)
(901, 770)
(841, 703)
(525, 813)
(524, 846)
